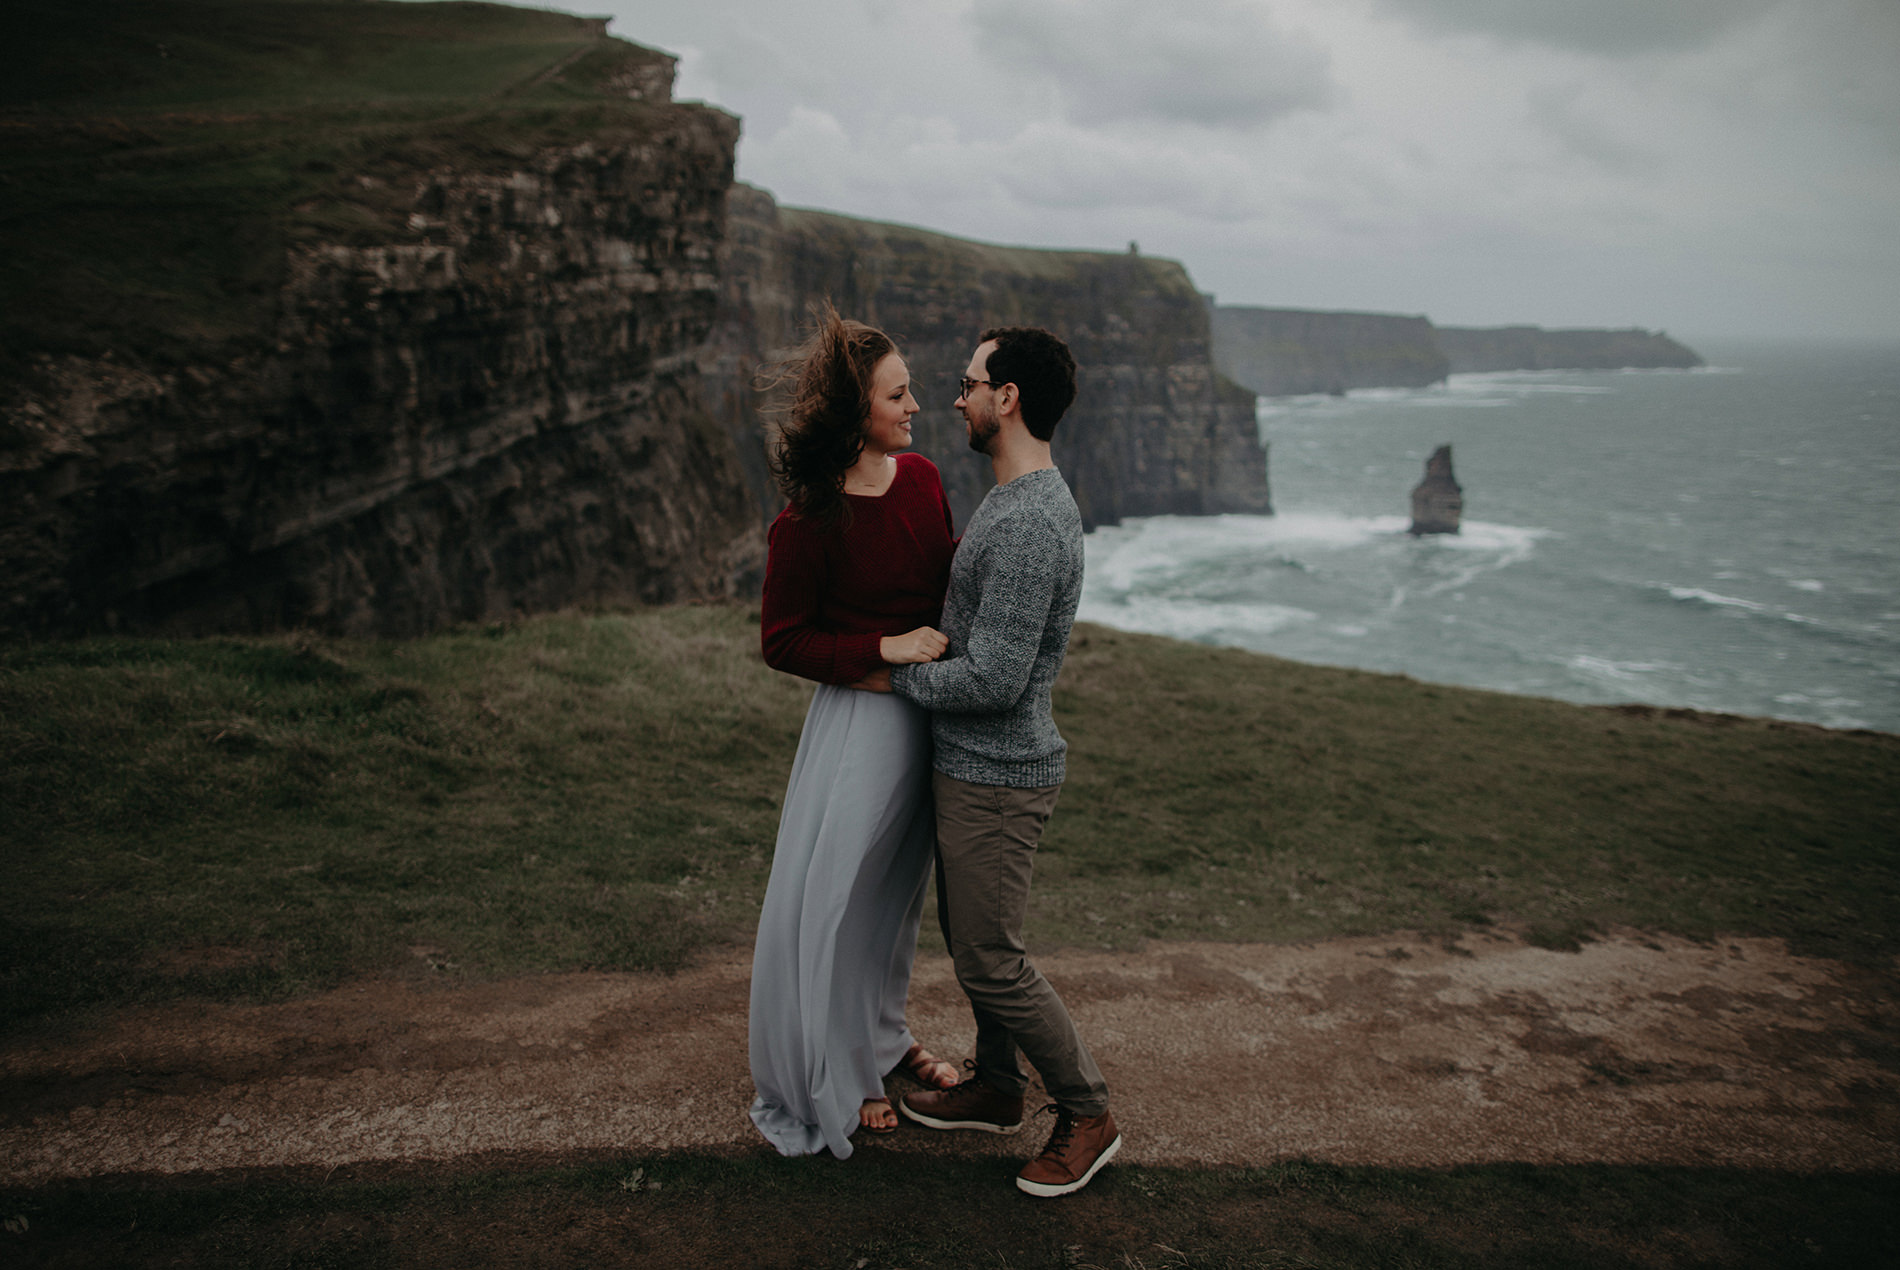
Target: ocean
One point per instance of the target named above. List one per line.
(1724, 539)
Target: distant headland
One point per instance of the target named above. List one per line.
(1292, 352)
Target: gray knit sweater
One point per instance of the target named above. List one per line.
(1014, 585)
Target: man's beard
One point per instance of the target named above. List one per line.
(982, 431)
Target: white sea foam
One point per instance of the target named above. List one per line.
(1808, 584)
(1463, 402)
(1121, 556)
(1172, 536)
(1522, 383)
(1225, 623)
(1605, 668)
(1835, 710)
(1711, 597)
(1140, 554)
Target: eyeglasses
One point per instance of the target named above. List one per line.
(967, 383)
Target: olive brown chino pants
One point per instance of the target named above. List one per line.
(986, 850)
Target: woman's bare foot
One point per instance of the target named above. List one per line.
(877, 1115)
(927, 1069)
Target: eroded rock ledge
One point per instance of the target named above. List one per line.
(494, 408)
(521, 378)
(1155, 429)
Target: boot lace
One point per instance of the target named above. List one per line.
(1064, 1130)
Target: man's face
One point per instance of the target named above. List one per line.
(978, 405)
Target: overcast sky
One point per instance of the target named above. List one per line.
(1712, 167)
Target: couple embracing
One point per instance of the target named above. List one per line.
(922, 745)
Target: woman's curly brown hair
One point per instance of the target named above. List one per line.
(821, 421)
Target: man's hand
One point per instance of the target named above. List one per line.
(878, 680)
(914, 647)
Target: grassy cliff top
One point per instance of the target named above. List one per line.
(969, 256)
(138, 57)
(157, 156)
(262, 816)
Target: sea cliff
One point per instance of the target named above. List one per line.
(1533, 348)
(379, 370)
(1155, 429)
(1290, 352)
(481, 400)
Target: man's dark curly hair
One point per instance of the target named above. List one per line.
(1040, 366)
(821, 420)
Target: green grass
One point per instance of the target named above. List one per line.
(1245, 797)
(941, 1211)
(263, 816)
(139, 56)
(258, 817)
(160, 156)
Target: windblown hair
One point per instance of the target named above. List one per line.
(1041, 367)
(821, 419)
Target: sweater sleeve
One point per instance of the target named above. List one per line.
(1017, 587)
(792, 605)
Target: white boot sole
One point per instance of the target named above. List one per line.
(983, 1125)
(1047, 1189)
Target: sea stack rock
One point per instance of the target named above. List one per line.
(1437, 501)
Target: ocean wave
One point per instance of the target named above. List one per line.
(1463, 403)
(1156, 552)
(1122, 556)
(1606, 668)
(1522, 383)
(1485, 535)
(1482, 547)
(1711, 598)
(1835, 630)
(1198, 620)
(1486, 390)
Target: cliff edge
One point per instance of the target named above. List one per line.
(1293, 352)
(434, 361)
(1155, 428)
(1499, 348)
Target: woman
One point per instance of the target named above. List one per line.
(854, 582)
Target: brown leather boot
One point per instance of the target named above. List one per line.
(1079, 1147)
(970, 1104)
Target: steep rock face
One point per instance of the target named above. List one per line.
(1288, 352)
(495, 409)
(1438, 501)
(1472, 349)
(1155, 429)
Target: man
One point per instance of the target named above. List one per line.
(1014, 585)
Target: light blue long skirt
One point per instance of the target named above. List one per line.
(838, 930)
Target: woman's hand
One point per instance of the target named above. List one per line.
(921, 645)
(878, 680)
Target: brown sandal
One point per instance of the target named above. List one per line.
(919, 1063)
(867, 1126)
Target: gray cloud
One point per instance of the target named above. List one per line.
(1616, 28)
(1558, 111)
(1728, 168)
(1221, 63)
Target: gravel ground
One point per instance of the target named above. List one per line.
(1389, 1051)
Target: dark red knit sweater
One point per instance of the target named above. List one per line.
(832, 594)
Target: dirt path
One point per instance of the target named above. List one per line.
(1380, 1051)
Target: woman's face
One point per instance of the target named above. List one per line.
(888, 428)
